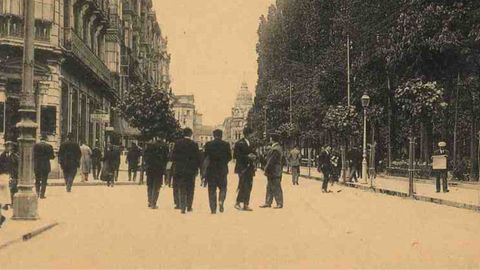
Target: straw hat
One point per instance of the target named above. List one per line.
(442, 144)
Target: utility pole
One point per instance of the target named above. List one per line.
(25, 202)
(348, 70)
(456, 124)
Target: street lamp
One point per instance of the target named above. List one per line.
(25, 201)
(365, 104)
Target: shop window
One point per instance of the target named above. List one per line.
(2, 117)
(48, 121)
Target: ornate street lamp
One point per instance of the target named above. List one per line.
(25, 201)
(365, 104)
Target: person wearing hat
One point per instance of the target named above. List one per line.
(9, 160)
(273, 171)
(42, 154)
(441, 151)
(69, 156)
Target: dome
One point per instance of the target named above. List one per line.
(244, 97)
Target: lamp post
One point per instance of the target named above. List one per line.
(365, 104)
(25, 202)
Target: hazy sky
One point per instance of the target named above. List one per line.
(212, 43)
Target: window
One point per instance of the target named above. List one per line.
(2, 117)
(42, 30)
(48, 121)
(44, 10)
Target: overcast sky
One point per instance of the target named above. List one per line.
(212, 43)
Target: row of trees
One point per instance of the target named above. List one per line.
(418, 60)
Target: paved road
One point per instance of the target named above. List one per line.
(113, 228)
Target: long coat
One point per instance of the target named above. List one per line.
(243, 164)
(69, 156)
(42, 154)
(186, 157)
(274, 167)
(219, 154)
(109, 165)
(156, 157)
(86, 159)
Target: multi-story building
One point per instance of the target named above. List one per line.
(184, 110)
(233, 125)
(203, 134)
(87, 54)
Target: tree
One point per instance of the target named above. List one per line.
(148, 110)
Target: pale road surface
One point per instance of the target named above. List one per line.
(105, 227)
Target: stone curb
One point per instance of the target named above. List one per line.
(80, 184)
(29, 235)
(404, 195)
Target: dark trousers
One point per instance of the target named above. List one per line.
(186, 186)
(274, 190)
(132, 169)
(245, 182)
(214, 183)
(354, 173)
(176, 192)
(13, 185)
(295, 174)
(154, 183)
(115, 175)
(69, 176)
(326, 179)
(443, 176)
(96, 169)
(41, 183)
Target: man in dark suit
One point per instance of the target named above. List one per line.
(441, 174)
(42, 154)
(273, 171)
(326, 167)
(96, 161)
(133, 160)
(156, 156)
(218, 154)
(186, 158)
(244, 154)
(69, 158)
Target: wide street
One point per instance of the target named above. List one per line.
(105, 227)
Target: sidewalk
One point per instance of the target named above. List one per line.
(462, 195)
(122, 180)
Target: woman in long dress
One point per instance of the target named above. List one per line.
(85, 161)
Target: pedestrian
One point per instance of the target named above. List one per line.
(156, 156)
(109, 163)
(218, 153)
(69, 156)
(245, 156)
(169, 167)
(42, 154)
(96, 161)
(355, 160)
(325, 166)
(442, 174)
(273, 171)
(5, 198)
(294, 158)
(9, 160)
(117, 150)
(85, 161)
(133, 160)
(186, 157)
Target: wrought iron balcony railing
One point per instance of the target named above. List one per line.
(75, 45)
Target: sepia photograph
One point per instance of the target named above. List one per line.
(239, 134)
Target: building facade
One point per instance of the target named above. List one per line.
(234, 124)
(87, 54)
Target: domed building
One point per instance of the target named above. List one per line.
(233, 125)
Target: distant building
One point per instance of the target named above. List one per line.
(184, 110)
(203, 134)
(233, 125)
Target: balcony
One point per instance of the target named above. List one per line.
(103, 6)
(75, 45)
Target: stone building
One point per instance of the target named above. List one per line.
(233, 125)
(184, 110)
(87, 53)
